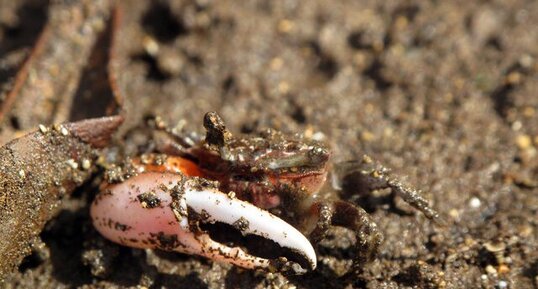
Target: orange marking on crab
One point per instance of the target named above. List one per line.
(174, 164)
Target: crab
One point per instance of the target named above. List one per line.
(267, 184)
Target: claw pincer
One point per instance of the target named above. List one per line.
(163, 206)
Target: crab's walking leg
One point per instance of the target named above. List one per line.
(169, 141)
(344, 214)
(374, 176)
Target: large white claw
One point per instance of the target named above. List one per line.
(150, 211)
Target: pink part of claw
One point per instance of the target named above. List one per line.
(161, 210)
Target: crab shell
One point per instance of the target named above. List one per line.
(262, 185)
(161, 208)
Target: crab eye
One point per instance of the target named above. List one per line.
(291, 147)
(318, 155)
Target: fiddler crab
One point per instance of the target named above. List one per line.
(269, 185)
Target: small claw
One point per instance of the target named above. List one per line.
(163, 210)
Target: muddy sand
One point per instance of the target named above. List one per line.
(445, 93)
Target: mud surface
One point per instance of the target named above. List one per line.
(443, 92)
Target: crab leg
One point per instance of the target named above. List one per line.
(164, 210)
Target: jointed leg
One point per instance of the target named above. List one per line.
(357, 219)
(375, 176)
(413, 198)
(344, 214)
(172, 140)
